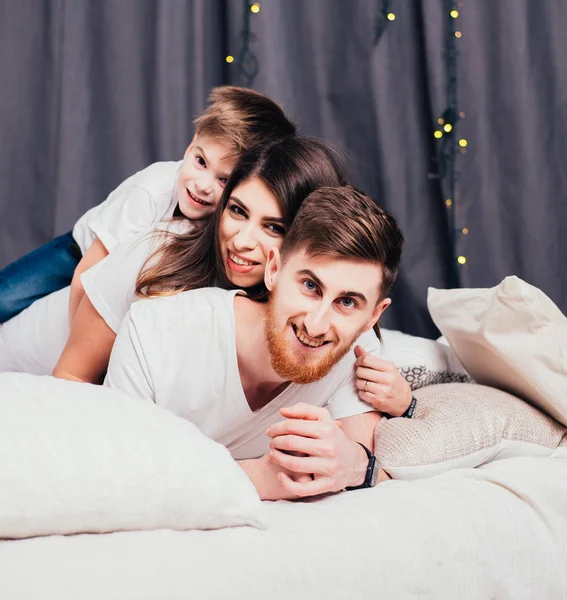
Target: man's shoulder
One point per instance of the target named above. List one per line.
(188, 305)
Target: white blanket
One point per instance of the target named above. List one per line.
(495, 532)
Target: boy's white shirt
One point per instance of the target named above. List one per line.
(180, 352)
(136, 205)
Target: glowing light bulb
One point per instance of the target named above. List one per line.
(255, 8)
(448, 203)
(462, 260)
(458, 34)
(440, 121)
(448, 127)
(391, 17)
(229, 59)
(463, 143)
(465, 230)
(437, 134)
(454, 13)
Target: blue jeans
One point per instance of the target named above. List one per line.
(37, 274)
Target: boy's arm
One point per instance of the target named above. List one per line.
(94, 254)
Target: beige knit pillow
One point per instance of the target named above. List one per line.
(460, 425)
(512, 337)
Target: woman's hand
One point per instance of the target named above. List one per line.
(380, 384)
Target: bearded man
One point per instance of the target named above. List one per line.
(234, 367)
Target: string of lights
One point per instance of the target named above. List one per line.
(449, 143)
(247, 62)
(383, 17)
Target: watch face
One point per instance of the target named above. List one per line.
(374, 474)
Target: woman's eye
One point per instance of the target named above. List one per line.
(276, 229)
(223, 180)
(236, 210)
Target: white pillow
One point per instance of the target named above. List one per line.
(80, 458)
(511, 337)
(422, 361)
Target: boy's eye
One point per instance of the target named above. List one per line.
(200, 161)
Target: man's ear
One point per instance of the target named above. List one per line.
(190, 147)
(273, 267)
(377, 313)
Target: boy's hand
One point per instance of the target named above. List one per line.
(380, 384)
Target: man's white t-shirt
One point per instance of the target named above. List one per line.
(137, 204)
(180, 352)
(110, 285)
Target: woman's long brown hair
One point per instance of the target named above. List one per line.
(291, 168)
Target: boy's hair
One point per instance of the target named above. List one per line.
(242, 118)
(342, 222)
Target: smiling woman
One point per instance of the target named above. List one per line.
(230, 250)
(250, 226)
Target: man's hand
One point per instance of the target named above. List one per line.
(309, 442)
(380, 384)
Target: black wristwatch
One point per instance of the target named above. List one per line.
(371, 472)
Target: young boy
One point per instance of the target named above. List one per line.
(235, 120)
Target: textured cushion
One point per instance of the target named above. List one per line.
(421, 361)
(459, 425)
(512, 337)
(82, 458)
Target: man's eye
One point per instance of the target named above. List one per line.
(348, 303)
(309, 285)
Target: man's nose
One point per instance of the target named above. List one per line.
(317, 322)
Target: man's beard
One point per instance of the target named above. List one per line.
(296, 367)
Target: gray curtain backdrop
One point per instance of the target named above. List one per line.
(91, 91)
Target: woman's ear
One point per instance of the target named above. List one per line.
(273, 266)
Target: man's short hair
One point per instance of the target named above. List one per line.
(341, 222)
(242, 118)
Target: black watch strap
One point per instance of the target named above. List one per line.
(371, 472)
(411, 408)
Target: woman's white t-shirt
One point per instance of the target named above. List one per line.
(180, 352)
(111, 284)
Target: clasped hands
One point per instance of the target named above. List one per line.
(313, 452)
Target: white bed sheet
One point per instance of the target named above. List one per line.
(495, 532)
